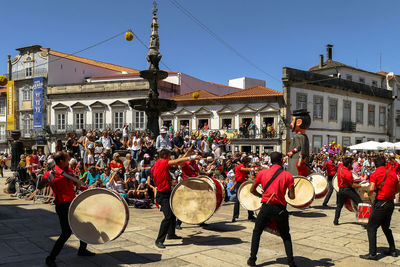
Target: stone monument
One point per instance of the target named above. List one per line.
(152, 105)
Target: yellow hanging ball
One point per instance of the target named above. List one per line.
(3, 80)
(196, 94)
(129, 36)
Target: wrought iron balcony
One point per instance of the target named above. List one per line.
(22, 74)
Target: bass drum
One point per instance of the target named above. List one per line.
(247, 199)
(320, 184)
(304, 193)
(98, 215)
(196, 199)
(335, 181)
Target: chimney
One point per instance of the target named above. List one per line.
(9, 68)
(329, 52)
(321, 61)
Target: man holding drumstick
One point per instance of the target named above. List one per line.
(64, 192)
(240, 177)
(162, 180)
(275, 181)
(346, 187)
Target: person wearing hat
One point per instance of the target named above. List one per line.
(162, 140)
(299, 147)
(142, 191)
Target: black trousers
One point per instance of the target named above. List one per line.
(330, 190)
(236, 207)
(342, 195)
(62, 212)
(381, 215)
(168, 224)
(280, 214)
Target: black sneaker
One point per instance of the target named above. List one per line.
(174, 237)
(392, 253)
(251, 262)
(160, 245)
(50, 262)
(369, 257)
(335, 223)
(178, 227)
(86, 253)
(252, 219)
(233, 219)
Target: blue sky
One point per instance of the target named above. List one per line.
(270, 34)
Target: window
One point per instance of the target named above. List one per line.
(361, 80)
(301, 101)
(28, 67)
(203, 124)
(382, 116)
(118, 120)
(346, 141)
(360, 113)
(26, 91)
(371, 114)
(61, 122)
(318, 107)
(79, 121)
(317, 143)
(359, 140)
(331, 139)
(375, 83)
(2, 132)
(2, 106)
(333, 109)
(167, 123)
(139, 120)
(226, 124)
(98, 120)
(27, 126)
(349, 77)
(398, 118)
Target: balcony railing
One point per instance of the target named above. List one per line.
(348, 126)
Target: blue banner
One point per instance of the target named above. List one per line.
(37, 89)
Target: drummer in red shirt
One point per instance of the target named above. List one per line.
(64, 192)
(273, 205)
(241, 177)
(162, 180)
(392, 163)
(384, 182)
(346, 187)
(330, 170)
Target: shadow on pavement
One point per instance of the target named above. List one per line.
(223, 227)
(128, 257)
(307, 214)
(211, 240)
(323, 207)
(301, 262)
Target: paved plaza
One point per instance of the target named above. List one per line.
(28, 231)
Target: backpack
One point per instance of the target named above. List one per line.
(140, 203)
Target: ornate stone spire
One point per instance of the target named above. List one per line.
(154, 56)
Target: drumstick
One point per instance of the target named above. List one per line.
(273, 194)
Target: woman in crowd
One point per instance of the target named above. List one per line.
(116, 164)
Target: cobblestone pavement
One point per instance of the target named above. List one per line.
(28, 232)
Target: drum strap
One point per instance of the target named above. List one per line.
(383, 182)
(276, 174)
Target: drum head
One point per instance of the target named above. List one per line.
(304, 192)
(335, 183)
(194, 200)
(319, 182)
(247, 199)
(98, 215)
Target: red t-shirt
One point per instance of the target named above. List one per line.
(393, 166)
(63, 188)
(240, 176)
(161, 176)
(330, 168)
(345, 177)
(302, 170)
(115, 165)
(388, 190)
(278, 186)
(190, 169)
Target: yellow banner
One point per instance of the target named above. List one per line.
(10, 105)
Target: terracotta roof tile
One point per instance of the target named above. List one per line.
(89, 61)
(203, 95)
(253, 92)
